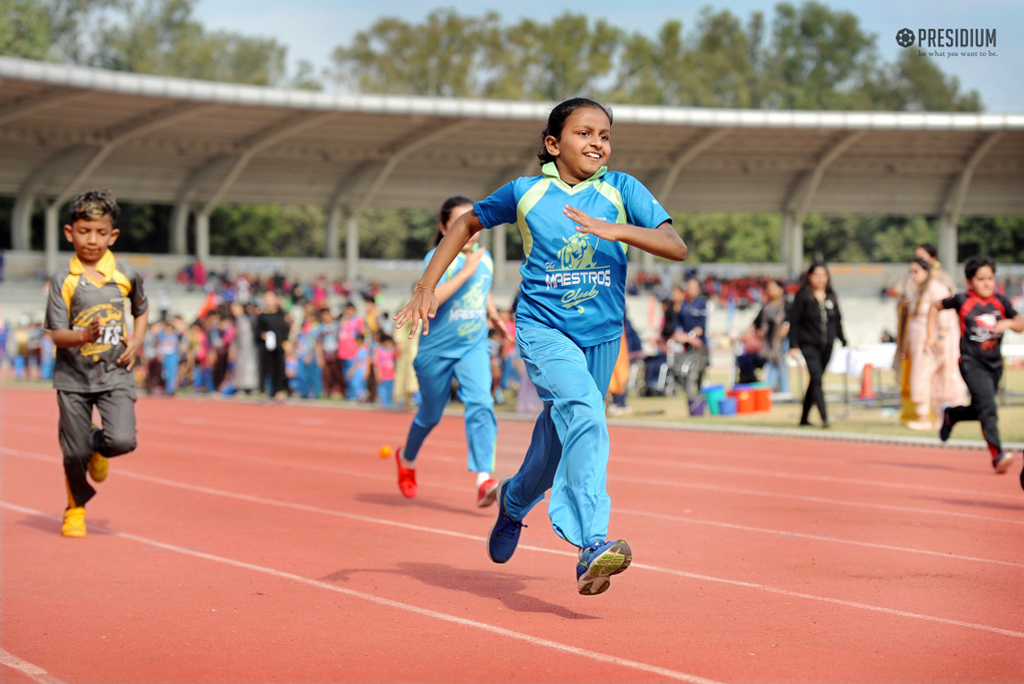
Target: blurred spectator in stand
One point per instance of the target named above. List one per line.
(384, 369)
(774, 332)
(245, 372)
(327, 348)
(272, 329)
(359, 370)
(349, 327)
(904, 290)
(169, 347)
(151, 356)
(310, 364)
(935, 380)
(814, 325)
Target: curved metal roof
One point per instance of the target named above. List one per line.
(167, 140)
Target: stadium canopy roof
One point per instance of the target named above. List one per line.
(196, 144)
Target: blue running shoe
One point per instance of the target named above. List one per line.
(598, 562)
(504, 536)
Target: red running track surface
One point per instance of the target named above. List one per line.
(258, 543)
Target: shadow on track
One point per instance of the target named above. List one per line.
(396, 500)
(487, 584)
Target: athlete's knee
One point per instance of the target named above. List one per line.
(119, 442)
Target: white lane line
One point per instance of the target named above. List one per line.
(814, 537)
(815, 499)
(34, 672)
(493, 629)
(714, 468)
(571, 554)
(440, 443)
(352, 516)
(666, 483)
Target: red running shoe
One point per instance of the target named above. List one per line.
(487, 494)
(406, 477)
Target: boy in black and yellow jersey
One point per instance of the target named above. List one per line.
(86, 317)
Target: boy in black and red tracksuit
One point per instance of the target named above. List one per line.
(984, 317)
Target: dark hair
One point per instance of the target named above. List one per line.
(94, 204)
(972, 265)
(446, 213)
(805, 279)
(930, 248)
(558, 117)
(922, 263)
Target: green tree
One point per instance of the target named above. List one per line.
(438, 57)
(161, 37)
(916, 83)
(729, 237)
(267, 230)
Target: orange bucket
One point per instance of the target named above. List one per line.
(744, 400)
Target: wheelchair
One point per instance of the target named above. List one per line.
(679, 371)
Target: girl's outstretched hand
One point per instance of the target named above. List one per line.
(592, 226)
(421, 307)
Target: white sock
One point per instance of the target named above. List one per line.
(481, 478)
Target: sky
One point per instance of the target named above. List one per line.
(311, 29)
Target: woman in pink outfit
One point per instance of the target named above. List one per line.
(935, 380)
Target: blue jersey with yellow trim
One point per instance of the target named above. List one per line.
(572, 281)
(461, 322)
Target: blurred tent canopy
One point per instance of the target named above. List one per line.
(195, 144)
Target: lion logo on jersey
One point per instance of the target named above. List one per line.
(577, 253)
(111, 327)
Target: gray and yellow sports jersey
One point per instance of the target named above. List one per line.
(75, 299)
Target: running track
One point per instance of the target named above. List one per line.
(248, 543)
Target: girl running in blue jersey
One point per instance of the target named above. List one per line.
(576, 219)
(458, 348)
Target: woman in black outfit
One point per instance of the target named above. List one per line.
(814, 325)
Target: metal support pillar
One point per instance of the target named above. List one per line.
(332, 235)
(203, 237)
(793, 229)
(21, 222)
(179, 229)
(52, 238)
(947, 241)
(352, 247)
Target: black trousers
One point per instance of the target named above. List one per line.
(78, 442)
(272, 368)
(982, 381)
(817, 361)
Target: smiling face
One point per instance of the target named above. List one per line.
(584, 145)
(91, 238)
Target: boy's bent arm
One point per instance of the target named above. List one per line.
(134, 343)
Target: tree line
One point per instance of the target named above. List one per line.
(806, 56)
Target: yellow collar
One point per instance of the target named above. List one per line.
(551, 170)
(105, 266)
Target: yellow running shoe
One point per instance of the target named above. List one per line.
(74, 522)
(99, 465)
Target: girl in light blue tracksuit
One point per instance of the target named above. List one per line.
(457, 348)
(576, 220)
